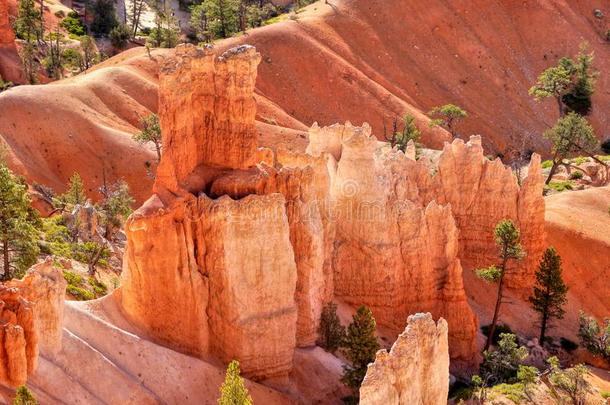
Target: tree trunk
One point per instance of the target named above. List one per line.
(560, 106)
(552, 172)
(543, 327)
(494, 321)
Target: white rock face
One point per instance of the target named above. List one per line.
(415, 371)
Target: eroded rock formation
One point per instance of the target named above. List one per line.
(45, 287)
(206, 111)
(18, 337)
(31, 319)
(239, 248)
(415, 371)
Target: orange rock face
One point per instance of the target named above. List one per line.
(45, 287)
(415, 371)
(18, 337)
(211, 123)
(238, 250)
(6, 33)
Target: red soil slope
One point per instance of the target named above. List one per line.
(358, 60)
(578, 225)
(364, 60)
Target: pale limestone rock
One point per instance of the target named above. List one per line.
(415, 371)
(45, 287)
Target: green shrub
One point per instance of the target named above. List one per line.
(331, 332)
(580, 160)
(60, 14)
(503, 364)
(576, 175)
(605, 394)
(98, 288)
(560, 186)
(514, 392)
(547, 164)
(23, 396)
(73, 278)
(80, 293)
(73, 25)
(56, 237)
(500, 328)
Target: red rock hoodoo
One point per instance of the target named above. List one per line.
(30, 318)
(415, 371)
(238, 250)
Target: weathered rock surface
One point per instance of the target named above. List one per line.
(45, 287)
(10, 64)
(239, 249)
(392, 254)
(18, 337)
(226, 268)
(7, 37)
(210, 123)
(415, 371)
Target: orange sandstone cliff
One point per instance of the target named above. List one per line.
(239, 248)
(10, 64)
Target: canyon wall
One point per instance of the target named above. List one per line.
(415, 371)
(239, 248)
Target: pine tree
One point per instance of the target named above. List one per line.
(507, 238)
(331, 331)
(151, 132)
(447, 116)
(19, 225)
(360, 347)
(223, 16)
(115, 207)
(75, 195)
(550, 291)
(233, 391)
(27, 24)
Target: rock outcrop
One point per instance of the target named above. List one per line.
(415, 371)
(31, 315)
(209, 124)
(239, 248)
(214, 277)
(45, 287)
(18, 337)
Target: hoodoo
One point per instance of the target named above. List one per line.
(415, 371)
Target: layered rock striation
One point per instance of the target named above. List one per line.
(239, 248)
(415, 371)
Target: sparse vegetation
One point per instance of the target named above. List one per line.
(570, 384)
(595, 338)
(502, 364)
(119, 36)
(571, 134)
(447, 116)
(571, 83)
(103, 17)
(23, 396)
(360, 346)
(151, 132)
(19, 226)
(576, 175)
(549, 293)
(73, 24)
(331, 331)
(507, 239)
(400, 137)
(560, 186)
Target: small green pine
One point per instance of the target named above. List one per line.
(233, 391)
(24, 396)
